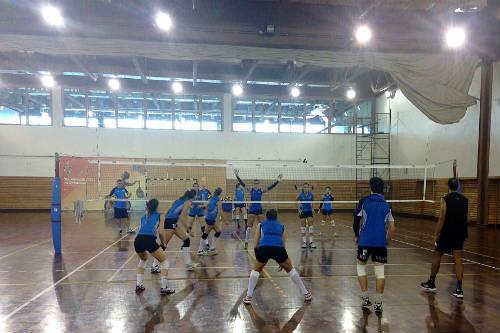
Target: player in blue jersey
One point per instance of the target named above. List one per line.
(326, 209)
(197, 210)
(240, 208)
(269, 243)
(120, 206)
(174, 224)
(212, 216)
(306, 215)
(374, 230)
(227, 209)
(146, 242)
(255, 210)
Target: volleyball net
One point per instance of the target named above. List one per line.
(168, 180)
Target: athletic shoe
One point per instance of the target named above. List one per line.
(332, 223)
(428, 286)
(191, 267)
(202, 253)
(246, 246)
(365, 302)
(322, 222)
(378, 307)
(139, 289)
(207, 247)
(312, 245)
(167, 291)
(212, 252)
(130, 231)
(120, 232)
(458, 293)
(308, 297)
(247, 300)
(304, 245)
(155, 269)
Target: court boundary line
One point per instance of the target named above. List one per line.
(121, 267)
(55, 284)
(25, 248)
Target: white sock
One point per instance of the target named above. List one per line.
(252, 282)
(311, 233)
(303, 232)
(187, 256)
(140, 279)
(247, 234)
(155, 263)
(379, 298)
(164, 282)
(206, 241)
(214, 240)
(202, 244)
(294, 275)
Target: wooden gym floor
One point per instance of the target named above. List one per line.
(90, 288)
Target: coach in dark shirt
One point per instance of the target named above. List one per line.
(450, 234)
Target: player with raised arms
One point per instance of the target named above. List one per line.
(255, 211)
(306, 213)
(146, 242)
(211, 218)
(240, 208)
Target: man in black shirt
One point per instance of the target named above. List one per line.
(450, 234)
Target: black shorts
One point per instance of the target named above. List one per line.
(446, 244)
(143, 243)
(378, 254)
(121, 213)
(327, 212)
(255, 211)
(305, 215)
(277, 253)
(239, 205)
(170, 224)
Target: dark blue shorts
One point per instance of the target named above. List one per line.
(326, 212)
(170, 224)
(227, 207)
(447, 244)
(209, 222)
(255, 211)
(121, 213)
(240, 205)
(306, 214)
(143, 243)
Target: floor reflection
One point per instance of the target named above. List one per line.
(439, 321)
(271, 325)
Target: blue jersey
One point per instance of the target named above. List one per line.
(119, 193)
(239, 195)
(255, 195)
(375, 216)
(212, 208)
(175, 211)
(325, 205)
(271, 233)
(149, 224)
(201, 195)
(306, 207)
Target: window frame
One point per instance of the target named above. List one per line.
(26, 106)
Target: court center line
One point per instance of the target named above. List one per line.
(24, 249)
(121, 267)
(55, 284)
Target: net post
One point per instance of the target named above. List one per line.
(425, 183)
(55, 212)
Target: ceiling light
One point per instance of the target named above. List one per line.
(237, 89)
(295, 92)
(177, 87)
(350, 93)
(455, 37)
(363, 34)
(114, 84)
(163, 21)
(52, 16)
(48, 81)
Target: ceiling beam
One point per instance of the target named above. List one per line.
(83, 68)
(139, 70)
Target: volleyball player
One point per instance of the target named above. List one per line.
(269, 242)
(197, 210)
(211, 218)
(174, 225)
(120, 207)
(449, 236)
(375, 228)
(240, 208)
(326, 208)
(255, 212)
(306, 213)
(146, 242)
(227, 209)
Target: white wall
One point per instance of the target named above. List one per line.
(140, 143)
(416, 139)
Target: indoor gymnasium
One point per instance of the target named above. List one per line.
(250, 166)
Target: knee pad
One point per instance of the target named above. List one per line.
(164, 264)
(237, 217)
(379, 271)
(361, 268)
(141, 264)
(204, 236)
(311, 229)
(217, 234)
(202, 228)
(302, 230)
(255, 274)
(245, 216)
(187, 242)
